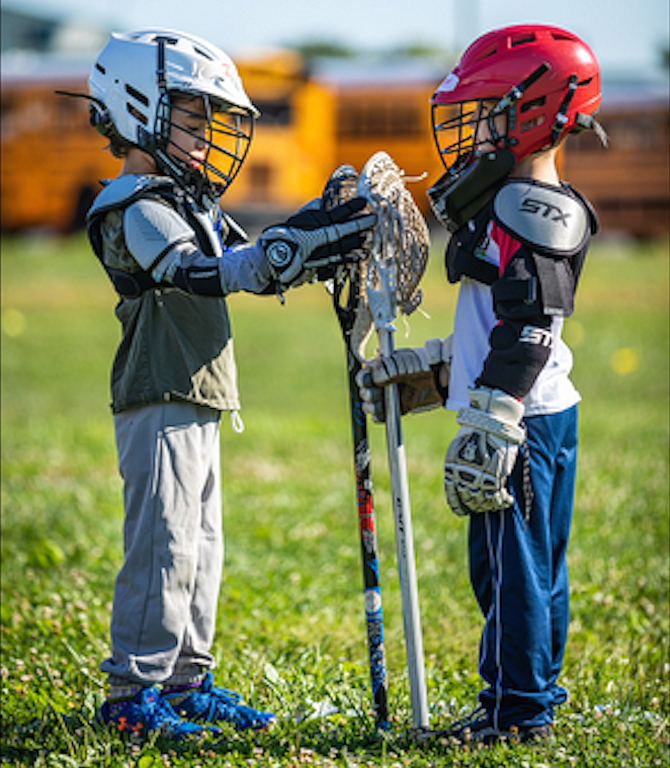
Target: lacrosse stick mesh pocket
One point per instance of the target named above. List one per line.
(401, 239)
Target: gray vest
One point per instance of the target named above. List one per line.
(175, 345)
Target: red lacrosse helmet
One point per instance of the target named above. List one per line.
(544, 81)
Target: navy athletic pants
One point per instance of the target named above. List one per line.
(519, 575)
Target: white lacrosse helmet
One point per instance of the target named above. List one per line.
(133, 85)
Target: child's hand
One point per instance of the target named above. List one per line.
(313, 239)
(483, 453)
(421, 373)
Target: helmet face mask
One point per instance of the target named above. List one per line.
(160, 88)
(465, 131)
(200, 142)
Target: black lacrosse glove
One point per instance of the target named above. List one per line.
(314, 240)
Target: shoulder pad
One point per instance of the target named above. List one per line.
(151, 229)
(593, 216)
(123, 190)
(549, 220)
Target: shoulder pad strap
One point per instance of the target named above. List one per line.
(549, 220)
(235, 234)
(123, 190)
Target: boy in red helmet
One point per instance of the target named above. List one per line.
(519, 238)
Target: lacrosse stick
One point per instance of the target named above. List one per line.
(341, 187)
(400, 245)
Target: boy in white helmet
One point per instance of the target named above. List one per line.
(519, 238)
(175, 110)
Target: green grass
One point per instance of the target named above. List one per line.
(291, 622)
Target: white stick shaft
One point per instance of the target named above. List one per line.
(405, 547)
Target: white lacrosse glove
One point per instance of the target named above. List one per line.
(316, 240)
(483, 453)
(421, 373)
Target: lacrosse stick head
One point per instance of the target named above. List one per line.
(400, 241)
(355, 317)
(340, 187)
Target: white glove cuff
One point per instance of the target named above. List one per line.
(470, 417)
(438, 350)
(499, 404)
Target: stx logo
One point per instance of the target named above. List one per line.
(545, 210)
(538, 336)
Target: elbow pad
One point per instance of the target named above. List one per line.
(519, 351)
(200, 279)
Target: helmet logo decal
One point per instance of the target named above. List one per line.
(448, 84)
(228, 70)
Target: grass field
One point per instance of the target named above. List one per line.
(291, 632)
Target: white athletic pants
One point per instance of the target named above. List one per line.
(166, 594)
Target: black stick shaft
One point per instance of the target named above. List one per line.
(366, 524)
(340, 187)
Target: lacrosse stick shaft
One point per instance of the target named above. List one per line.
(405, 546)
(366, 524)
(399, 251)
(340, 187)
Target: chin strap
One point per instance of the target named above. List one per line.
(98, 115)
(582, 121)
(561, 118)
(588, 122)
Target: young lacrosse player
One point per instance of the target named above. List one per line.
(174, 108)
(518, 242)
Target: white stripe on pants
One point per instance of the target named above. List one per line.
(166, 594)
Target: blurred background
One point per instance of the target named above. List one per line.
(335, 82)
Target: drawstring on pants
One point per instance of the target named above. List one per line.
(526, 485)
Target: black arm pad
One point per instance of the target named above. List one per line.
(199, 279)
(519, 351)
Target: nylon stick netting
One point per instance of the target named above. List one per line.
(400, 241)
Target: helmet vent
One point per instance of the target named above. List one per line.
(203, 53)
(534, 122)
(137, 114)
(137, 95)
(539, 102)
(523, 40)
(100, 68)
(487, 53)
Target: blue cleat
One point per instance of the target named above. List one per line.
(146, 713)
(208, 704)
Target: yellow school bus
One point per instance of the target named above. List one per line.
(311, 122)
(52, 160)
(386, 106)
(293, 149)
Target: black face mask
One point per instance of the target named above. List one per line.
(457, 197)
